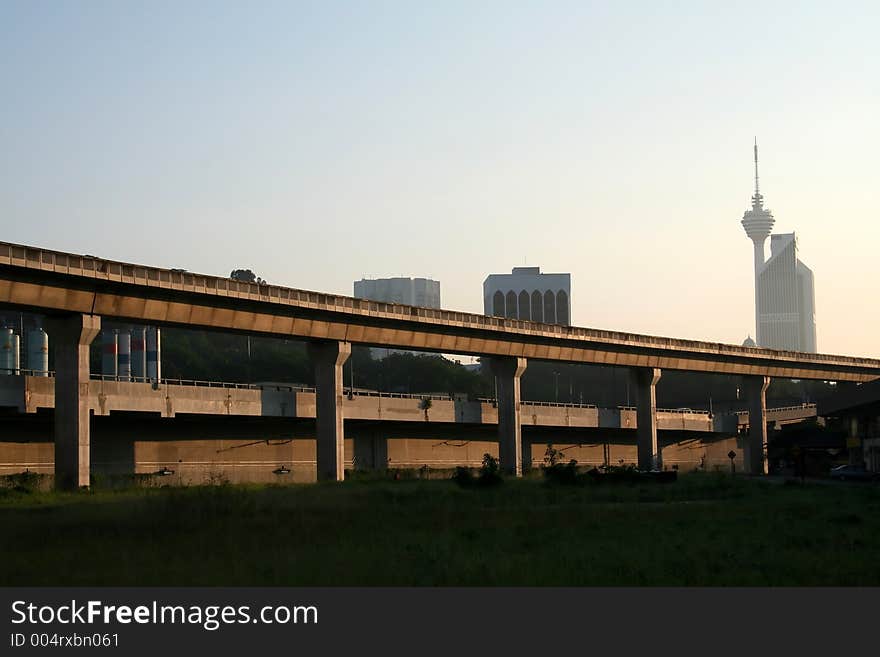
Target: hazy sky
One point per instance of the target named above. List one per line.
(318, 143)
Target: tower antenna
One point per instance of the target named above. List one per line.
(757, 189)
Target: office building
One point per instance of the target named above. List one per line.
(526, 293)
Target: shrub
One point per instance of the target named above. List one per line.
(551, 456)
(26, 482)
(462, 476)
(559, 473)
(490, 474)
(621, 473)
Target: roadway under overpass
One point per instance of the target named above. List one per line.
(75, 292)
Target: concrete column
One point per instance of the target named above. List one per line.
(109, 353)
(508, 372)
(327, 359)
(71, 337)
(154, 354)
(363, 452)
(380, 451)
(645, 383)
(854, 442)
(370, 451)
(526, 454)
(138, 353)
(755, 444)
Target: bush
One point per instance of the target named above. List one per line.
(462, 476)
(26, 482)
(490, 474)
(620, 473)
(551, 456)
(562, 474)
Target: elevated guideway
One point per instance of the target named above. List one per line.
(75, 292)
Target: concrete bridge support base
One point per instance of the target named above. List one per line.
(508, 372)
(71, 337)
(755, 444)
(645, 380)
(328, 359)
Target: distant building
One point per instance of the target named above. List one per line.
(422, 292)
(786, 299)
(526, 293)
(409, 291)
(785, 304)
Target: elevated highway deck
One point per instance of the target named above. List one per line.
(75, 292)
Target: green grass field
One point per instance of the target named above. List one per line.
(701, 530)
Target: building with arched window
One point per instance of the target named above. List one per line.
(526, 293)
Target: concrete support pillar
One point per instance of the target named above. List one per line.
(854, 442)
(645, 383)
(138, 353)
(110, 341)
(154, 354)
(755, 444)
(363, 452)
(508, 372)
(380, 452)
(327, 359)
(526, 454)
(370, 451)
(71, 337)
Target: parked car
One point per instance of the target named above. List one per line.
(853, 473)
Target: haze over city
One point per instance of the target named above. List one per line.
(320, 143)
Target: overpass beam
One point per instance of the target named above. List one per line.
(71, 337)
(508, 371)
(328, 358)
(645, 380)
(755, 445)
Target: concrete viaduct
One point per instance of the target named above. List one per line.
(75, 292)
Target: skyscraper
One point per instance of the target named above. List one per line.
(785, 305)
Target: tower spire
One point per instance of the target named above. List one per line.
(757, 189)
(757, 199)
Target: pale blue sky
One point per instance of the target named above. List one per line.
(317, 143)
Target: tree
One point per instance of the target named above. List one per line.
(246, 275)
